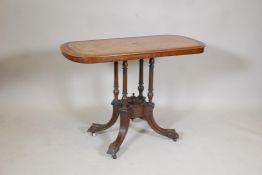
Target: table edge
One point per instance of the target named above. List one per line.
(132, 56)
(105, 59)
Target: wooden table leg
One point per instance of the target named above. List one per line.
(132, 107)
(141, 81)
(116, 107)
(149, 106)
(124, 118)
(140, 84)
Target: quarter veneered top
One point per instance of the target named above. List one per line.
(131, 48)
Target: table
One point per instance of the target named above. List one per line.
(124, 49)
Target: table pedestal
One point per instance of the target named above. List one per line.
(132, 107)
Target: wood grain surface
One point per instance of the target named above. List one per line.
(131, 48)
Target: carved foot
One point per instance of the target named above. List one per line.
(124, 124)
(100, 127)
(95, 128)
(113, 149)
(171, 133)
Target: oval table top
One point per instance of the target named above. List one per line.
(131, 48)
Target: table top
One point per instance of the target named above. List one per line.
(131, 48)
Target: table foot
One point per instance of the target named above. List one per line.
(113, 149)
(170, 133)
(130, 108)
(124, 124)
(100, 127)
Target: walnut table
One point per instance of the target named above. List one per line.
(124, 49)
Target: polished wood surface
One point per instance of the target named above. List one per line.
(132, 48)
(131, 107)
(123, 49)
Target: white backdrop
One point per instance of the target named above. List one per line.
(228, 75)
(214, 100)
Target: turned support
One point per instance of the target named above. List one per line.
(141, 81)
(124, 118)
(149, 107)
(95, 127)
(132, 107)
(116, 90)
(124, 98)
(151, 77)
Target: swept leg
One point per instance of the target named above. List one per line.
(124, 118)
(116, 106)
(124, 124)
(141, 83)
(170, 133)
(100, 127)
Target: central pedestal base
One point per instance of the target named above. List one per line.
(130, 108)
(137, 107)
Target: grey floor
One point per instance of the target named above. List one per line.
(53, 141)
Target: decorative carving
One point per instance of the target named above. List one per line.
(171, 133)
(124, 125)
(116, 90)
(95, 127)
(100, 127)
(141, 81)
(131, 108)
(116, 106)
(150, 83)
(113, 149)
(124, 97)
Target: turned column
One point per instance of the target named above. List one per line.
(124, 118)
(116, 90)
(124, 98)
(95, 127)
(141, 83)
(170, 133)
(151, 77)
